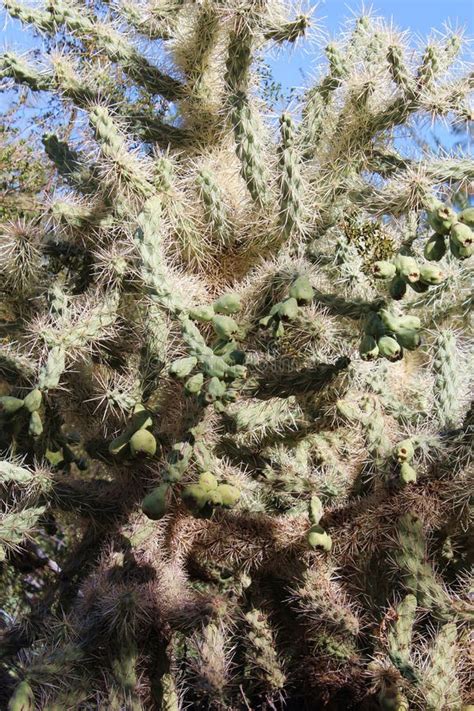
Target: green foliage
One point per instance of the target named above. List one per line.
(234, 368)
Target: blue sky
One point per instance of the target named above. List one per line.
(290, 68)
(417, 16)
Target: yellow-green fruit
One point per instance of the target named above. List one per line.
(435, 248)
(368, 348)
(460, 251)
(384, 270)
(182, 367)
(227, 304)
(54, 457)
(411, 323)
(35, 427)
(279, 330)
(224, 326)
(429, 274)
(374, 326)
(467, 217)
(214, 366)
(389, 348)
(215, 497)
(391, 699)
(441, 219)
(194, 384)
(154, 503)
(407, 268)
(139, 421)
(119, 443)
(390, 321)
(301, 289)
(288, 309)
(408, 338)
(407, 473)
(230, 494)
(33, 400)
(315, 510)
(208, 481)
(215, 389)
(237, 371)
(195, 496)
(462, 235)
(202, 313)
(10, 405)
(23, 698)
(143, 442)
(398, 288)
(318, 538)
(404, 450)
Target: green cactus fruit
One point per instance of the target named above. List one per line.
(214, 366)
(223, 347)
(9, 405)
(195, 497)
(441, 219)
(154, 503)
(208, 481)
(230, 494)
(392, 699)
(462, 235)
(23, 698)
(194, 384)
(318, 538)
(139, 420)
(315, 510)
(202, 313)
(460, 252)
(288, 309)
(202, 456)
(390, 322)
(390, 348)
(54, 457)
(224, 326)
(182, 367)
(215, 497)
(384, 270)
(374, 326)
(429, 274)
(467, 216)
(235, 357)
(215, 389)
(368, 348)
(279, 330)
(435, 248)
(404, 451)
(227, 304)
(178, 461)
(236, 372)
(411, 323)
(33, 400)
(420, 287)
(120, 442)
(407, 473)
(143, 442)
(408, 338)
(397, 288)
(407, 268)
(301, 289)
(35, 427)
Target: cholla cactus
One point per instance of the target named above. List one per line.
(236, 368)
